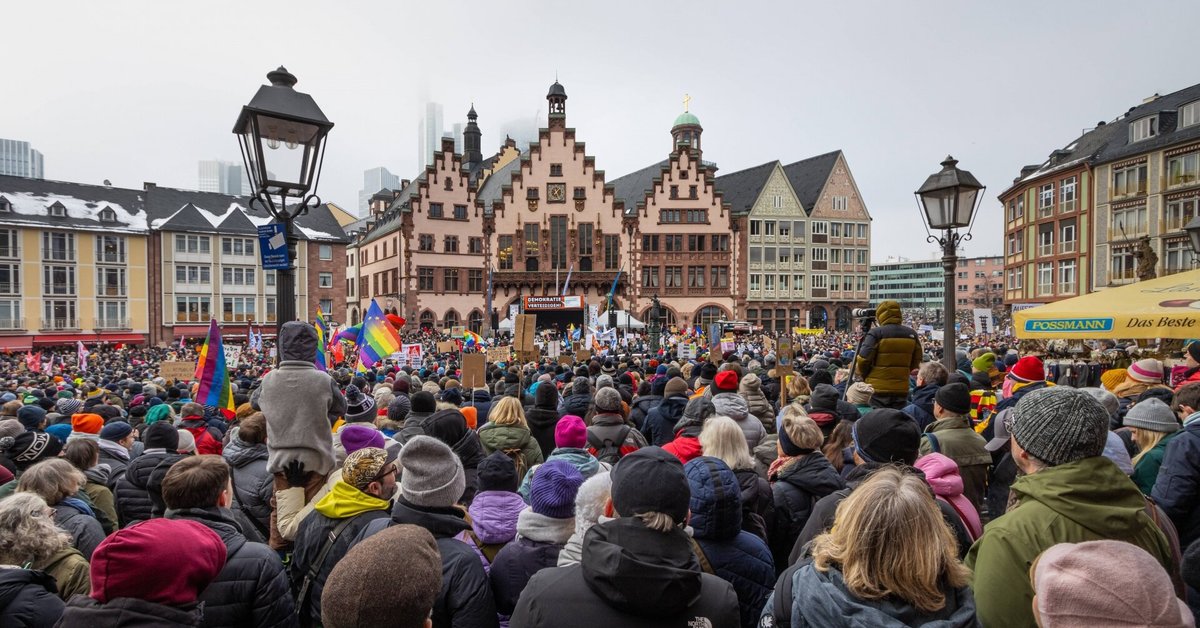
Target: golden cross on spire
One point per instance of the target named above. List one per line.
(686, 100)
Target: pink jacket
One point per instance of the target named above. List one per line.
(942, 475)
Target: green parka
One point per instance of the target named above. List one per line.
(1085, 500)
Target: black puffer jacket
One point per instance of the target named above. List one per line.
(543, 417)
(85, 530)
(252, 589)
(758, 503)
(253, 485)
(797, 487)
(659, 427)
(470, 452)
(127, 612)
(154, 485)
(28, 599)
(641, 408)
(132, 493)
(310, 538)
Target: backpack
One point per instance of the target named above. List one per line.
(518, 457)
(607, 450)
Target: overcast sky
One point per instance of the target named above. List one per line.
(141, 91)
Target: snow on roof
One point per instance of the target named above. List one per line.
(313, 234)
(38, 203)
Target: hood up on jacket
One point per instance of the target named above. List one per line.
(298, 343)
(888, 313)
(238, 453)
(716, 502)
(494, 515)
(640, 571)
(546, 397)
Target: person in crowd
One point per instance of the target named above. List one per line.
(543, 417)
(1069, 493)
(722, 545)
(579, 402)
(59, 483)
(27, 597)
(33, 418)
(290, 506)
(751, 389)
(570, 436)
(944, 478)
(300, 405)
(132, 494)
(84, 455)
(659, 426)
(610, 436)
(1154, 426)
(413, 583)
(252, 588)
(931, 376)
(1141, 376)
(951, 435)
(728, 402)
(704, 380)
(507, 431)
(393, 423)
(686, 444)
(649, 396)
(837, 448)
(360, 497)
(253, 486)
(424, 404)
(1177, 489)
(1104, 583)
(432, 483)
(360, 410)
(450, 427)
(637, 569)
(722, 438)
(799, 393)
(542, 531)
(116, 447)
(30, 536)
(859, 394)
(192, 420)
(1115, 448)
(799, 477)
(827, 409)
(1191, 359)
(591, 506)
(130, 587)
(85, 426)
(495, 509)
(888, 353)
(23, 451)
(910, 576)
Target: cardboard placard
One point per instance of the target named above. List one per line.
(525, 332)
(474, 366)
(177, 371)
(499, 354)
(457, 331)
(566, 360)
(447, 346)
(583, 355)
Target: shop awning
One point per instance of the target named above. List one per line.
(1166, 307)
(16, 343)
(70, 339)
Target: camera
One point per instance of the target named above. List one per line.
(862, 312)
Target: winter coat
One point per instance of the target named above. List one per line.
(920, 407)
(86, 532)
(889, 352)
(208, 439)
(795, 489)
(1190, 376)
(154, 483)
(823, 599)
(470, 453)
(954, 438)
(252, 589)
(686, 445)
(481, 400)
(1177, 489)
(128, 612)
(539, 540)
(493, 518)
(758, 502)
(770, 387)
(750, 388)
(736, 556)
(410, 428)
(100, 497)
(70, 570)
(300, 404)
(543, 417)
(117, 458)
(659, 426)
(608, 427)
(132, 493)
(253, 485)
(641, 409)
(735, 407)
(585, 462)
(943, 477)
(631, 577)
(28, 599)
(465, 600)
(826, 408)
(1084, 500)
(1145, 472)
(575, 403)
(507, 438)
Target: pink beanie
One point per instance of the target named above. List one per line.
(570, 432)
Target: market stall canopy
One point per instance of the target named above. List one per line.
(1167, 307)
(624, 321)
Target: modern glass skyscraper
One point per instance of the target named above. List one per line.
(19, 159)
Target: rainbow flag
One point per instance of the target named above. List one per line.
(471, 338)
(322, 360)
(212, 373)
(377, 339)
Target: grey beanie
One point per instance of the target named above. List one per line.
(608, 400)
(1154, 415)
(1106, 399)
(731, 405)
(1060, 425)
(432, 473)
(604, 381)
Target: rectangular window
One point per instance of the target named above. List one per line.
(475, 245)
(474, 280)
(237, 309)
(450, 280)
(674, 243)
(755, 227)
(612, 251)
(1183, 170)
(692, 192)
(695, 276)
(783, 283)
(755, 282)
(9, 243)
(237, 246)
(1066, 277)
(1189, 114)
(533, 236)
(798, 256)
(450, 244)
(435, 210)
(1045, 278)
(460, 212)
(269, 309)
(1066, 195)
(820, 228)
(192, 309)
(558, 242)
(324, 252)
(720, 277)
(673, 277)
(424, 278)
(785, 255)
(324, 280)
(326, 306)
(769, 228)
(696, 242)
(785, 231)
(59, 315)
(835, 230)
(237, 276)
(820, 254)
(556, 170)
(820, 282)
(1046, 241)
(10, 314)
(58, 246)
(650, 277)
(841, 203)
(1143, 129)
(58, 280)
(10, 279)
(110, 282)
(425, 242)
(769, 283)
(669, 216)
(193, 275)
(697, 216)
(1180, 212)
(269, 278)
(1177, 255)
(777, 201)
(756, 254)
(504, 252)
(1124, 264)
(674, 191)
(586, 235)
(1130, 180)
(720, 243)
(862, 230)
(835, 255)
(1067, 238)
(860, 284)
(110, 249)
(649, 242)
(1130, 221)
(1046, 200)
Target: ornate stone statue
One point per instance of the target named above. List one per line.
(1147, 260)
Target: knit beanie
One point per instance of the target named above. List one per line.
(355, 437)
(423, 402)
(1193, 349)
(61, 431)
(954, 398)
(129, 563)
(433, 475)
(984, 363)
(10, 427)
(1059, 425)
(413, 583)
(1112, 378)
(1028, 369)
(31, 416)
(650, 480)
(87, 424)
(68, 406)
(1148, 371)
(1104, 583)
(399, 408)
(552, 489)
(115, 431)
(187, 443)
(360, 408)
(570, 432)
(726, 381)
(885, 435)
(708, 371)
(448, 426)
(497, 472)
(860, 393)
(452, 396)
(28, 448)
(161, 435)
(158, 413)
(1154, 415)
(608, 400)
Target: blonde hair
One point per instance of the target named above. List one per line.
(657, 521)
(802, 431)
(27, 531)
(1146, 440)
(507, 411)
(722, 438)
(798, 386)
(889, 539)
(53, 480)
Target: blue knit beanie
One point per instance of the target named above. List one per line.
(552, 490)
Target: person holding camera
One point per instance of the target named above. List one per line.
(888, 354)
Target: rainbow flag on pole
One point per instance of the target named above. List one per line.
(322, 360)
(471, 339)
(212, 373)
(377, 339)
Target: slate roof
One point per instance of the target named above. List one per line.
(632, 188)
(29, 201)
(1166, 107)
(742, 188)
(492, 187)
(174, 209)
(1083, 149)
(808, 177)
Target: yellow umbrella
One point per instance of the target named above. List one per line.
(1167, 307)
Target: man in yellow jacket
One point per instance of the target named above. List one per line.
(889, 353)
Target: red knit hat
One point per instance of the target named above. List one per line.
(130, 562)
(726, 380)
(1028, 369)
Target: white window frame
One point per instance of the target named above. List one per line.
(1066, 194)
(1189, 114)
(1068, 276)
(1143, 128)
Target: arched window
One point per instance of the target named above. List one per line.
(451, 319)
(353, 316)
(668, 316)
(818, 317)
(475, 321)
(427, 320)
(708, 315)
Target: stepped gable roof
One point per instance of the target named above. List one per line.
(808, 177)
(492, 188)
(633, 187)
(27, 202)
(741, 189)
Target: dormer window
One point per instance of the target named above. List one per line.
(57, 210)
(1143, 129)
(108, 215)
(1189, 114)
(5, 206)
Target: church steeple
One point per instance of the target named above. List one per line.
(472, 151)
(557, 97)
(685, 133)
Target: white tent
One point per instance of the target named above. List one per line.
(623, 320)
(506, 325)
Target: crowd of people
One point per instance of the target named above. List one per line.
(863, 484)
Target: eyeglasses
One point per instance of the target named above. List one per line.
(390, 469)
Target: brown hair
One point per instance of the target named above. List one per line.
(1187, 396)
(841, 437)
(252, 430)
(10, 408)
(195, 482)
(82, 453)
(54, 480)
(889, 539)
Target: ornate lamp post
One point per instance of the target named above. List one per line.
(282, 135)
(1193, 231)
(949, 199)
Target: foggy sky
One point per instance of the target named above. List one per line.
(141, 91)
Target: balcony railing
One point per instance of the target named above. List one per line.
(1045, 250)
(58, 255)
(55, 324)
(10, 252)
(114, 323)
(12, 323)
(1067, 247)
(105, 290)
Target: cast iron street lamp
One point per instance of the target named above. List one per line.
(949, 199)
(1193, 231)
(282, 134)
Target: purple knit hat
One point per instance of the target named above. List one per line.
(552, 490)
(358, 436)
